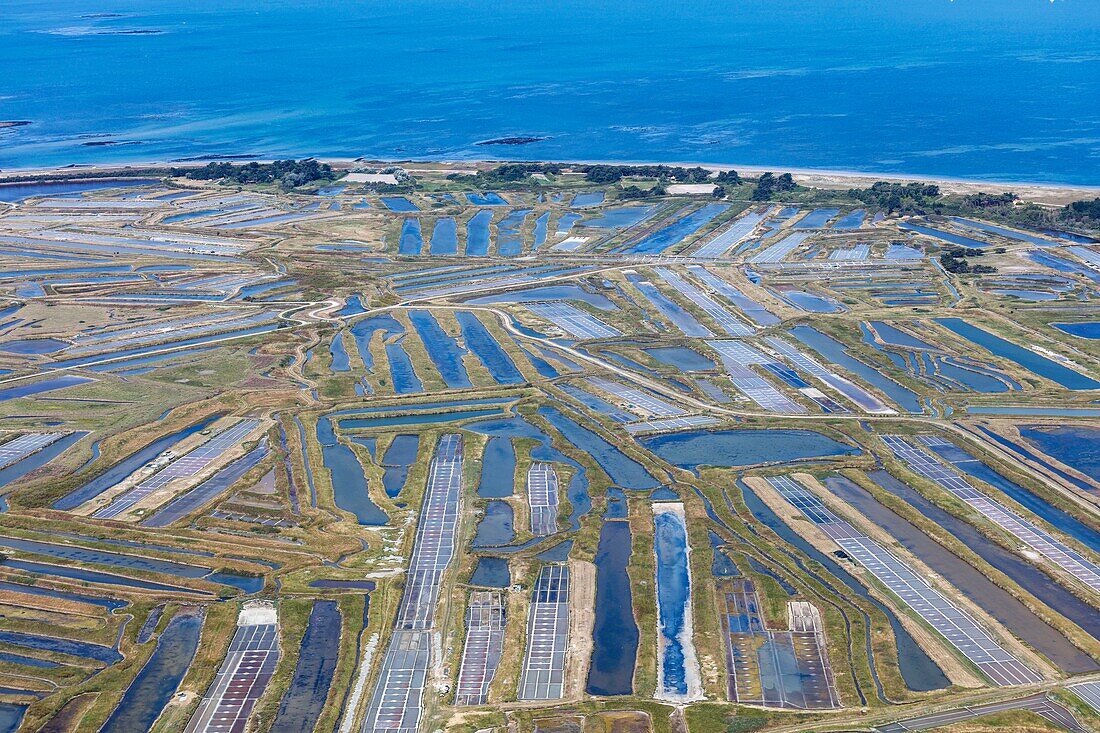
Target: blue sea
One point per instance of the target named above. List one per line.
(996, 89)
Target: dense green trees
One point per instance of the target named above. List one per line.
(982, 200)
(288, 173)
(1083, 212)
(769, 184)
(507, 173)
(952, 261)
(898, 198)
(615, 173)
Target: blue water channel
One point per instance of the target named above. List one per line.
(128, 465)
(435, 405)
(971, 582)
(1032, 456)
(677, 231)
(27, 347)
(816, 219)
(509, 236)
(46, 385)
(399, 456)
(516, 427)
(411, 240)
(1059, 519)
(837, 353)
(673, 596)
(363, 330)
(1004, 232)
(422, 418)
(566, 222)
(443, 350)
(620, 218)
(137, 351)
(350, 489)
(851, 220)
(1027, 575)
(496, 528)
(498, 469)
(895, 336)
(105, 654)
(1077, 446)
(402, 373)
(917, 668)
(201, 495)
(691, 449)
(540, 230)
(304, 700)
(131, 562)
(942, 235)
(158, 679)
(620, 468)
(111, 604)
(1026, 358)
(14, 192)
(1084, 329)
(1061, 264)
(615, 632)
(444, 237)
(679, 317)
(488, 198)
(491, 572)
(568, 291)
(589, 198)
(35, 461)
(682, 358)
(485, 347)
(340, 362)
(11, 716)
(399, 204)
(477, 233)
(810, 302)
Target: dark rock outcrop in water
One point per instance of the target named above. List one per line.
(5, 124)
(106, 143)
(517, 140)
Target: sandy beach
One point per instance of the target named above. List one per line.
(1051, 194)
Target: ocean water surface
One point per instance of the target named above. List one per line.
(992, 89)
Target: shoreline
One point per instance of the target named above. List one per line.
(1038, 192)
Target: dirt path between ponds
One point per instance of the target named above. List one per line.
(582, 619)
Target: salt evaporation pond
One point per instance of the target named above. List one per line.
(682, 358)
(972, 583)
(444, 239)
(1076, 446)
(1025, 357)
(400, 455)
(516, 427)
(1086, 330)
(678, 676)
(742, 447)
(443, 350)
(350, 489)
(491, 572)
(128, 465)
(157, 681)
(485, 347)
(620, 468)
(498, 469)
(477, 233)
(1015, 566)
(304, 700)
(917, 669)
(615, 633)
